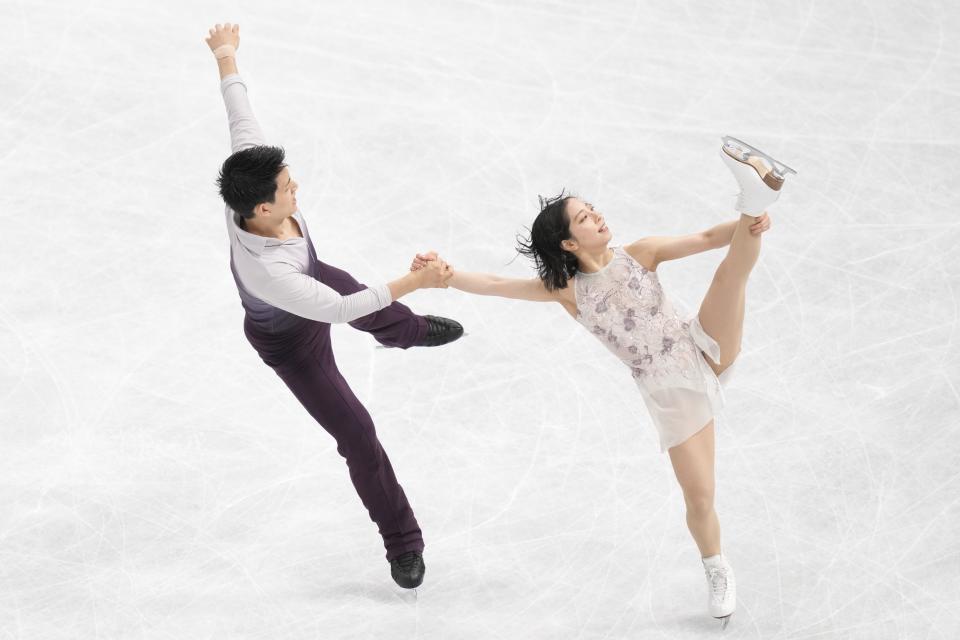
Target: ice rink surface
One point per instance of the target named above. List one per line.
(158, 481)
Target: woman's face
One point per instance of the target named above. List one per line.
(587, 227)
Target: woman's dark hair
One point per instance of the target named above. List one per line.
(554, 265)
(249, 177)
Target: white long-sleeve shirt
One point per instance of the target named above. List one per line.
(273, 271)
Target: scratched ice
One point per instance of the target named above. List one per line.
(157, 481)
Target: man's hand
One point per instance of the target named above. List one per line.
(434, 274)
(421, 260)
(222, 34)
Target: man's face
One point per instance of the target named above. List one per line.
(284, 202)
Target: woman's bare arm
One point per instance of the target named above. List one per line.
(486, 284)
(653, 250)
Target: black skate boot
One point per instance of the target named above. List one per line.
(440, 331)
(407, 569)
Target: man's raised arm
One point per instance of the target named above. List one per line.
(224, 40)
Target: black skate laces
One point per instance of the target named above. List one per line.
(434, 327)
(407, 560)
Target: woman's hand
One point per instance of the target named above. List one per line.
(762, 224)
(434, 273)
(421, 260)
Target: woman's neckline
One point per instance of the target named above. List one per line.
(601, 269)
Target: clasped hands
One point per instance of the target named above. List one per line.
(436, 271)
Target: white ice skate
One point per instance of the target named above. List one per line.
(721, 588)
(759, 175)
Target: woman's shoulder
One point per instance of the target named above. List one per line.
(643, 251)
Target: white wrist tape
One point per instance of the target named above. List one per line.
(225, 51)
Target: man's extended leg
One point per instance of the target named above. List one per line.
(392, 326)
(395, 325)
(325, 394)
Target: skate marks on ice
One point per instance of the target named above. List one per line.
(138, 441)
(376, 593)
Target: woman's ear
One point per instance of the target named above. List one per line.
(568, 245)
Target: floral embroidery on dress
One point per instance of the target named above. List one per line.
(668, 343)
(624, 306)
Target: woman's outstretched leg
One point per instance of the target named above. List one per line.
(721, 313)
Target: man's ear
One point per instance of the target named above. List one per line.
(262, 209)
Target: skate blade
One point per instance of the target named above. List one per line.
(724, 621)
(409, 596)
(740, 150)
(383, 346)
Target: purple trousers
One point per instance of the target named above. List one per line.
(302, 356)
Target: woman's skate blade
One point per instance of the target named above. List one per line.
(724, 621)
(741, 151)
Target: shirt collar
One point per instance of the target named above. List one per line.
(257, 244)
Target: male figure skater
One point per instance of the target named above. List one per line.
(290, 298)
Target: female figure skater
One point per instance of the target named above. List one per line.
(678, 364)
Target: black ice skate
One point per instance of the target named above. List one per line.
(407, 569)
(440, 331)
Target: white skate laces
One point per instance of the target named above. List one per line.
(719, 592)
(721, 588)
(759, 175)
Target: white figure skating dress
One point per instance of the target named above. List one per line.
(624, 306)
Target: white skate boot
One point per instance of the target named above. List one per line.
(721, 588)
(760, 176)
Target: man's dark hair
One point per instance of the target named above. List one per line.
(554, 265)
(249, 177)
